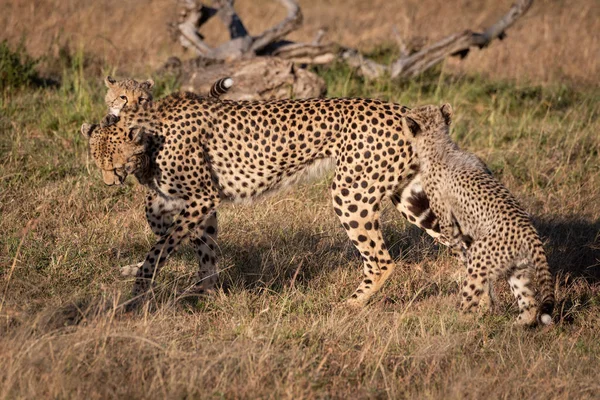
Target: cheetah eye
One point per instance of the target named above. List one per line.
(123, 97)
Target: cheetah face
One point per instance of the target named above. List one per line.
(116, 151)
(127, 92)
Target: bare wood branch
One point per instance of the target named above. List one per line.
(497, 30)
(271, 42)
(457, 44)
(368, 68)
(259, 78)
(190, 37)
(279, 31)
(307, 53)
(192, 17)
(230, 18)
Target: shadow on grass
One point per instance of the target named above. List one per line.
(274, 262)
(572, 247)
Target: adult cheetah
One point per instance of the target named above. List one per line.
(193, 153)
(480, 218)
(134, 93)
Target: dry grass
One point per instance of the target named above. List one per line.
(555, 41)
(275, 330)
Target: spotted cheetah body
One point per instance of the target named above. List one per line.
(201, 152)
(481, 218)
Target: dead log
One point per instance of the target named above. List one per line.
(457, 45)
(272, 41)
(260, 78)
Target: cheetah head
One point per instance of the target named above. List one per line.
(429, 121)
(117, 151)
(127, 92)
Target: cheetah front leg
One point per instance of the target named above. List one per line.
(159, 215)
(194, 213)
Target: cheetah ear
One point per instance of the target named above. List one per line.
(87, 130)
(109, 81)
(148, 84)
(446, 110)
(137, 134)
(413, 126)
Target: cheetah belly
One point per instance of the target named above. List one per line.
(250, 183)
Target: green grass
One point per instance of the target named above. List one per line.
(276, 329)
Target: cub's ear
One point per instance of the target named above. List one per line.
(109, 81)
(137, 134)
(148, 84)
(413, 126)
(87, 130)
(446, 110)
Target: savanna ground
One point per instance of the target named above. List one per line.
(275, 329)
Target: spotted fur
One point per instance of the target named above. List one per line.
(126, 92)
(203, 151)
(133, 93)
(480, 218)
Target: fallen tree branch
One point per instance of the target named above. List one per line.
(292, 22)
(457, 44)
(271, 42)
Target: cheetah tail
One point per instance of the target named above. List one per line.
(545, 283)
(220, 87)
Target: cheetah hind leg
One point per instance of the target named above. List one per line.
(204, 241)
(476, 290)
(361, 222)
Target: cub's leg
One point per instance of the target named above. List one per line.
(361, 221)
(459, 242)
(476, 290)
(520, 285)
(413, 204)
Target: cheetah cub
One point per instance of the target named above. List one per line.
(131, 92)
(481, 219)
(126, 92)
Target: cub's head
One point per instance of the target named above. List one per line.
(117, 151)
(127, 92)
(428, 122)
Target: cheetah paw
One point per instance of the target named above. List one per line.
(131, 269)
(354, 303)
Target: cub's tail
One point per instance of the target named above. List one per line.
(545, 283)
